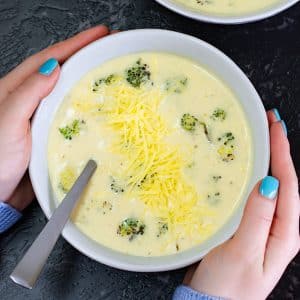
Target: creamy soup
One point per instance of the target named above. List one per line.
(173, 149)
(228, 7)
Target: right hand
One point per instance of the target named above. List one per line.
(249, 265)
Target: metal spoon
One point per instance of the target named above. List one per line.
(31, 265)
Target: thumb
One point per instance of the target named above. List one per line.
(254, 229)
(21, 103)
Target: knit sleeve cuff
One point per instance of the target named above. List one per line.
(184, 292)
(8, 216)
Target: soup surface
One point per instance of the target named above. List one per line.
(173, 149)
(228, 7)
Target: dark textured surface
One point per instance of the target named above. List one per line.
(269, 53)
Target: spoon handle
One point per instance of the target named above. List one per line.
(30, 266)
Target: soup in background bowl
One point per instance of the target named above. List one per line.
(228, 7)
(228, 11)
(180, 137)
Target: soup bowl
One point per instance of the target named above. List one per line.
(228, 19)
(125, 43)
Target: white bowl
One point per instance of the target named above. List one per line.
(117, 45)
(223, 19)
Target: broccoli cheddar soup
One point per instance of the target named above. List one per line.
(173, 149)
(228, 7)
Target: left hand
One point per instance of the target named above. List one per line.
(21, 92)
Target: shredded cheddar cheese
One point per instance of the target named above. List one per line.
(154, 168)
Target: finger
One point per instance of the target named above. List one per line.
(20, 104)
(254, 229)
(23, 194)
(273, 116)
(283, 243)
(61, 51)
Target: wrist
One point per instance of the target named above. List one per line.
(8, 195)
(220, 286)
(15, 202)
(21, 196)
(5, 190)
(9, 180)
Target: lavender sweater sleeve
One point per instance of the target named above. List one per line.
(184, 292)
(8, 216)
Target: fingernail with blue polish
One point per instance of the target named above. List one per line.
(284, 127)
(269, 187)
(276, 113)
(48, 67)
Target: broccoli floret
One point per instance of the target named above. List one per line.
(116, 186)
(148, 179)
(189, 122)
(176, 85)
(69, 131)
(219, 114)
(162, 228)
(131, 227)
(214, 198)
(216, 178)
(112, 78)
(106, 207)
(191, 165)
(67, 178)
(138, 74)
(226, 138)
(226, 151)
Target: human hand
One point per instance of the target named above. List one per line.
(21, 92)
(249, 265)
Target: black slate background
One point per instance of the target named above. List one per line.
(267, 51)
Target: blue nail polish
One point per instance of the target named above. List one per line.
(48, 67)
(284, 127)
(276, 113)
(269, 187)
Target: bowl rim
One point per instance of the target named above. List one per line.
(106, 255)
(228, 20)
